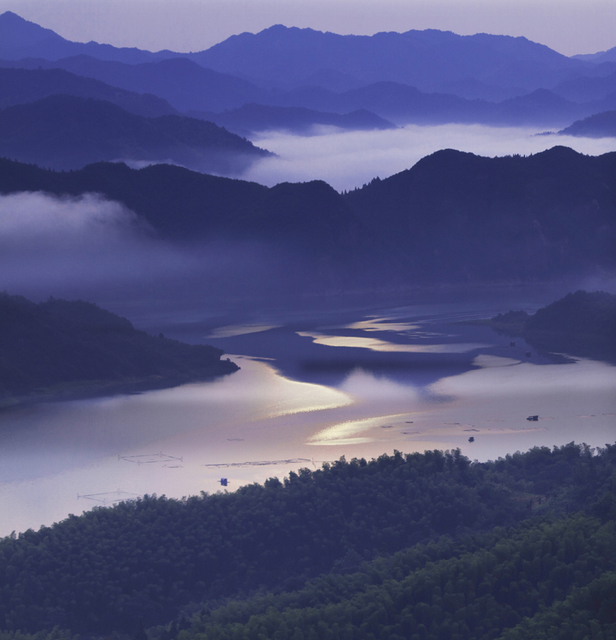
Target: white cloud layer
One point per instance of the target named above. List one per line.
(50, 244)
(348, 160)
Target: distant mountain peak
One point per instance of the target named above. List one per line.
(9, 16)
(21, 39)
(16, 30)
(277, 27)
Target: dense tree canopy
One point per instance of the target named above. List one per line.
(60, 346)
(375, 528)
(581, 323)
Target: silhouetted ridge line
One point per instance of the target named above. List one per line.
(68, 132)
(59, 349)
(452, 218)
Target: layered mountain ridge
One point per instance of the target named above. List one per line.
(424, 77)
(67, 132)
(452, 218)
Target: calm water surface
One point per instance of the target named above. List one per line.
(307, 392)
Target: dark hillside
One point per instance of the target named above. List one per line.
(453, 218)
(308, 224)
(472, 218)
(508, 549)
(580, 324)
(580, 313)
(600, 125)
(67, 132)
(454, 593)
(60, 347)
(19, 86)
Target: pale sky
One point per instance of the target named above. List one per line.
(568, 26)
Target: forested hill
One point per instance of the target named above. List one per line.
(467, 217)
(581, 324)
(452, 218)
(600, 125)
(308, 226)
(68, 132)
(60, 348)
(406, 546)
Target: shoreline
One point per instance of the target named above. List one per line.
(81, 390)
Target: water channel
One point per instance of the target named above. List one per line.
(359, 385)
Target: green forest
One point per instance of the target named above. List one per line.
(581, 324)
(412, 546)
(62, 348)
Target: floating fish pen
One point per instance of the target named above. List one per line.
(258, 463)
(152, 458)
(107, 497)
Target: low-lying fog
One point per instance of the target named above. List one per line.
(347, 160)
(98, 250)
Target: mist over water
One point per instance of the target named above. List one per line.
(98, 250)
(56, 245)
(347, 160)
(390, 380)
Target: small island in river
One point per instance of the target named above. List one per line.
(580, 324)
(62, 349)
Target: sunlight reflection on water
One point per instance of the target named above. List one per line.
(381, 345)
(51, 453)
(383, 324)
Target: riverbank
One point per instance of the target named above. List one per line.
(92, 389)
(67, 350)
(581, 324)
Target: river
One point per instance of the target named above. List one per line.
(359, 384)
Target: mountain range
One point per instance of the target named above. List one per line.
(424, 77)
(67, 132)
(452, 218)
(430, 60)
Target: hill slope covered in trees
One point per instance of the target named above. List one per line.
(581, 323)
(453, 217)
(427, 544)
(60, 348)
